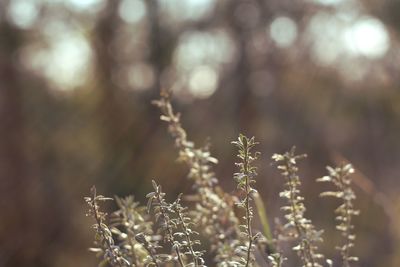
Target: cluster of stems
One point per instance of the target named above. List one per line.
(104, 240)
(176, 227)
(214, 208)
(129, 220)
(233, 241)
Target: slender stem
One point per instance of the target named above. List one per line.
(248, 211)
(307, 255)
(153, 257)
(169, 230)
(100, 227)
(180, 260)
(133, 254)
(347, 233)
(188, 239)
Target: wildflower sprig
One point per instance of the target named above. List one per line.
(340, 177)
(129, 220)
(151, 246)
(103, 238)
(186, 235)
(176, 226)
(276, 259)
(245, 178)
(162, 210)
(214, 209)
(297, 225)
(199, 159)
(135, 238)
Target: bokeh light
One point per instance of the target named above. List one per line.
(78, 78)
(283, 31)
(367, 37)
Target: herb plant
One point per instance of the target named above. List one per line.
(169, 234)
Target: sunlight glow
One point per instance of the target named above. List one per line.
(346, 34)
(199, 56)
(203, 81)
(188, 9)
(65, 61)
(141, 76)
(196, 48)
(85, 5)
(283, 31)
(367, 37)
(23, 13)
(132, 11)
(324, 29)
(329, 2)
(69, 58)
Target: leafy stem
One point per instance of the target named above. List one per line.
(141, 238)
(247, 198)
(182, 221)
(304, 230)
(156, 199)
(245, 179)
(112, 252)
(340, 177)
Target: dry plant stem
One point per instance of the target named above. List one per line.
(163, 210)
(347, 232)
(244, 178)
(306, 253)
(99, 222)
(180, 260)
(346, 252)
(152, 255)
(232, 240)
(340, 177)
(221, 225)
(131, 243)
(183, 144)
(276, 260)
(170, 232)
(305, 231)
(154, 258)
(248, 215)
(133, 255)
(187, 237)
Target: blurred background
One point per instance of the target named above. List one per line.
(77, 78)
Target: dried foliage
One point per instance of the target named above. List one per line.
(244, 179)
(104, 241)
(168, 233)
(298, 226)
(128, 221)
(340, 178)
(215, 208)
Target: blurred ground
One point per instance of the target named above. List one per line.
(77, 78)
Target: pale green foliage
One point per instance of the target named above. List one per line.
(298, 226)
(198, 159)
(244, 179)
(129, 220)
(104, 241)
(340, 178)
(276, 259)
(214, 211)
(176, 225)
(167, 233)
(151, 245)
